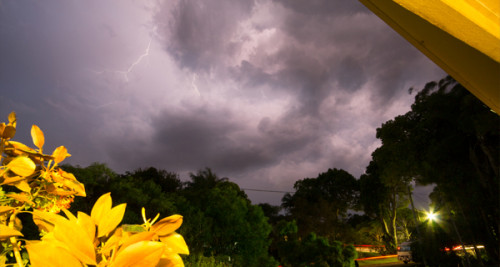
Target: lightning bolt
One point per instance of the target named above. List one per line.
(141, 57)
(126, 72)
(193, 84)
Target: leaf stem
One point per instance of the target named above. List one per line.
(13, 241)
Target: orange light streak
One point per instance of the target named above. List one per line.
(377, 257)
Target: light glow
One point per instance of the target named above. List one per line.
(431, 216)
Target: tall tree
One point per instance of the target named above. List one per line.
(168, 181)
(204, 179)
(458, 141)
(150, 188)
(452, 140)
(220, 220)
(320, 204)
(383, 194)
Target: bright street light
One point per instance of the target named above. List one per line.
(431, 216)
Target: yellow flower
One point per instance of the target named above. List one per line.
(97, 239)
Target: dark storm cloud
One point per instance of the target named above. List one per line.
(200, 36)
(264, 92)
(350, 74)
(355, 43)
(207, 137)
(199, 31)
(328, 40)
(321, 53)
(322, 7)
(50, 53)
(196, 137)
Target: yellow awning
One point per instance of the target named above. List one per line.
(460, 36)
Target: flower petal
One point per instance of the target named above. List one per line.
(167, 225)
(48, 254)
(143, 236)
(140, 254)
(175, 243)
(172, 260)
(85, 221)
(46, 220)
(109, 222)
(76, 239)
(101, 208)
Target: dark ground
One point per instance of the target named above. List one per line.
(397, 264)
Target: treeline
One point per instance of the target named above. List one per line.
(221, 225)
(449, 139)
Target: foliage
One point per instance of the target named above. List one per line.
(200, 260)
(217, 213)
(452, 140)
(224, 222)
(458, 140)
(385, 186)
(312, 250)
(32, 182)
(320, 204)
(364, 230)
(152, 188)
(271, 212)
(449, 139)
(434, 239)
(29, 180)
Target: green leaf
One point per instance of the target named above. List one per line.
(37, 136)
(4, 209)
(7, 232)
(21, 197)
(22, 166)
(60, 154)
(2, 128)
(8, 132)
(133, 228)
(23, 186)
(12, 118)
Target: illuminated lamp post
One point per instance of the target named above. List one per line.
(432, 216)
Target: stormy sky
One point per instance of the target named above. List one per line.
(264, 92)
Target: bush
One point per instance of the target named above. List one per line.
(313, 250)
(31, 182)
